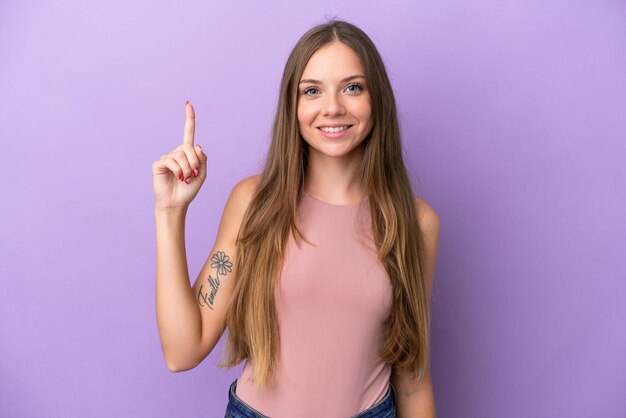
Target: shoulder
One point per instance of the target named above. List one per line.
(241, 194)
(427, 217)
(247, 186)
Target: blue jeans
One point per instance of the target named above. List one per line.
(385, 408)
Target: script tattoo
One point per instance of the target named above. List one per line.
(223, 266)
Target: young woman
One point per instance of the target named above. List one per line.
(323, 263)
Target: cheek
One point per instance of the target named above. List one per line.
(304, 115)
(365, 114)
(368, 121)
(304, 122)
(363, 109)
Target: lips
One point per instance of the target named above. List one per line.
(335, 132)
(333, 128)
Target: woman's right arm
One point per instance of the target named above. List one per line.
(190, 319)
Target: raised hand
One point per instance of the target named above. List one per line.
(178, 175)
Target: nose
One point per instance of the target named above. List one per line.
(333, 106)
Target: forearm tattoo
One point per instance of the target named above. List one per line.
(222, 265)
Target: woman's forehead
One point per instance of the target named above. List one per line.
(333, 62)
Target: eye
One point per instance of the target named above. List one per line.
(309, 89)
(357, 85)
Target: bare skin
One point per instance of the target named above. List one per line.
(333, 91)
(191, 319)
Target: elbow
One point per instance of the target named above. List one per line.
(178, 365)
(179, 359)
(173, 367)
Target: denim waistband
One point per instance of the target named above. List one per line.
(385, 408)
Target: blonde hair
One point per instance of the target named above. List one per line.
(252, 322)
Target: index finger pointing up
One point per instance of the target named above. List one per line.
(190, 124)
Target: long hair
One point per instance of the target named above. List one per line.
(252, 321)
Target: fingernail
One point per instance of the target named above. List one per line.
(195, 172)
(187, 181)
(180, 176)
(187, 102)
(200, 146)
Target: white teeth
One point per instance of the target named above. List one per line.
(337, 129)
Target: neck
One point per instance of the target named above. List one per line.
(334, 179)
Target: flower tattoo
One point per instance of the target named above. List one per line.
(221, 262)
(222, 265)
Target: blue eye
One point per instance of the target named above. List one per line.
(309, 89)
(355, 85)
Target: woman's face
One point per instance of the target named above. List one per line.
(334, 104)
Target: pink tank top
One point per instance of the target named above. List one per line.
(332, 301)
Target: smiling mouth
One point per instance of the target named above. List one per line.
(332, 130)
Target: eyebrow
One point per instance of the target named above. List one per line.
(352, 77)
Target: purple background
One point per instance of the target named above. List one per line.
(514, 122)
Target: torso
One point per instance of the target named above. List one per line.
(332, 301)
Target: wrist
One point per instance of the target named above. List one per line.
(170, 212)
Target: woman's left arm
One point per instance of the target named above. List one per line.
(413, 399)
(416, 399)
